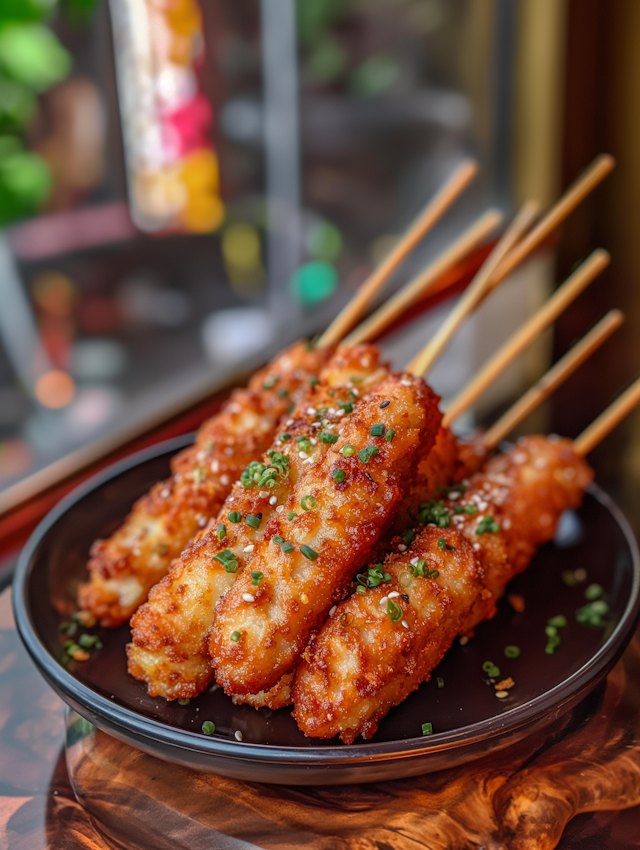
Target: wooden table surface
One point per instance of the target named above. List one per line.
(519, 799)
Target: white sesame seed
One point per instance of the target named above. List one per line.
(454, 496)
(384, 600)
(506, 523)
(224, 480)
(289, 422)
(519, 457)
(248, 597)
(279, 509)
(540, 463)
(313, 441)
(405, 382)
(248, 548)
(393, 594)
(303, 455)
(405, 624)
(316, 424)
(476, 546)
(402, 548)
(215, 465)
(202, 521)
(238, 735)
(340, 413)
(311, 411)
(482, 506)
(164, 493)
(332, 610)
(273, 500)
(332, 411)
(355, 391)
(304, 598)
(414, 561)
(263, 494)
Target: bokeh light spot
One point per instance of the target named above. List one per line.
(54, 293)
(313, 282)
(55, 389)
(241, 247)
(324, 241)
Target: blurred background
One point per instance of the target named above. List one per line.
(186, 185)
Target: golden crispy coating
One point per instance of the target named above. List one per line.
(380, 645)
(329, 528)
(368, 657)
(124, 567)
(278, 697)
(170, 633)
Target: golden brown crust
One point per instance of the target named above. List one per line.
(124, 567)
(169, 647)
(342, 525)
(362, 663)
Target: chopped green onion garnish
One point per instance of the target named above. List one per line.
(434, 512)
(347, 406)
(235, 636)
(234, 516)
(253, 521)
(287, 547)
(278, 540)
(328, 438)
(256, 577)
(348, 450)
(208, 727)
(471, 510)
(270, 383)
(394, 610)
(440, 682)
(284, 437)
(408, 536)
(365, 455)
(339, 475)
(184, 701)
(390, 435)
(308, 552)
(491, 669)
(512, 651)
(594, 591)
(307, 503)
(377, 430)
(291, 515)
(313, 381)
(560, 621)
(222, 531)
(487, 524)
(568, 577)
(228, 560)
(427, 729)
(87, 641)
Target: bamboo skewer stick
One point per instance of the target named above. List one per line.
(347, 318)
(475, 292)
(549, 382)
(607, 421)
(545, 316)
(575, 194)
(403, 299)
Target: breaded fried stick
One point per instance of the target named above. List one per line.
(170, 633)
(124, 567)
(333, 518)
(380, 644)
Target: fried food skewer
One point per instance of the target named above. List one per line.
(379, 645)
(169, 648)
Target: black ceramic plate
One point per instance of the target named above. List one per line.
(468, 720)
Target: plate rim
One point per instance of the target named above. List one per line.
(278, 755)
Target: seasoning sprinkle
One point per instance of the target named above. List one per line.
(184, 701)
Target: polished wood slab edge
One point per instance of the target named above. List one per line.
(523, 798)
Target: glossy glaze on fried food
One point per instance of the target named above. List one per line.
(169, 649)
(124, 567)
(379, 645)
(333, 519)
